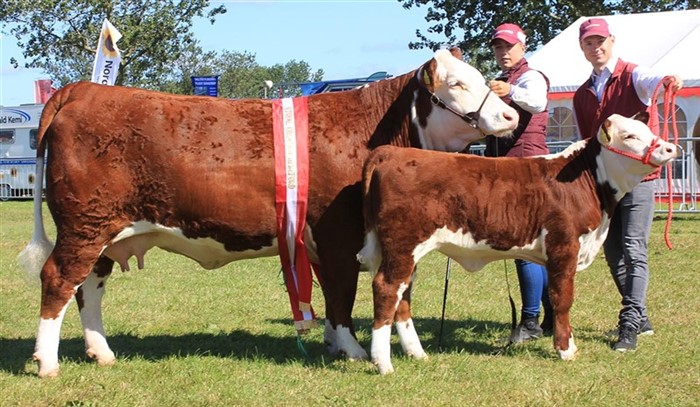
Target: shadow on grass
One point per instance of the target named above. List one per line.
(476, 337)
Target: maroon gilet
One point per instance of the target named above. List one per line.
(529, 137)
(619, 96)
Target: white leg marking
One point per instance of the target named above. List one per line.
(329, 338)
(46, 347)
(348, 345)
(96, 346)
(569, 354)
(381, 349)
(409, 339)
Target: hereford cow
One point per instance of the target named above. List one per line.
(553, 210)
(130, 169)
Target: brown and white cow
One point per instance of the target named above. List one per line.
(131, 169)
(553, 210)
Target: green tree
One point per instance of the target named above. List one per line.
(469, 23)
(60, 36)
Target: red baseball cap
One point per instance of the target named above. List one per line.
(510, 33)
(593, 26)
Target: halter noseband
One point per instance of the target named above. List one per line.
(645, 159)
(472, 118)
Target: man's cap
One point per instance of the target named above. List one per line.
(510, 33)
(593, 26)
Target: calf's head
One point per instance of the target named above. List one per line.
(465, 108)
(631, 151)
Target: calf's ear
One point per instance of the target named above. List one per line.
(642, 117)
(605, 131)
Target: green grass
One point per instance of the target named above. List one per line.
(186, 336)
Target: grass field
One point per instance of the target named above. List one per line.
(185, 336)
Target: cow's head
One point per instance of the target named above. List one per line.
(465, 109)
(631, 151)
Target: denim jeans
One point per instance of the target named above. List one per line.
(626, 251)
(534, 286)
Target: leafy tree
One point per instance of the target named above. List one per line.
(469, 23)
(60, 36)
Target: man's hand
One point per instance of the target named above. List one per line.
(674, 81)
(500, 88)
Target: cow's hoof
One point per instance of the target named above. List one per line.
(348, 345)
(102, 358)
(384, 368)
(419, 355)
(46, 370)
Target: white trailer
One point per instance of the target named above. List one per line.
(18, 131)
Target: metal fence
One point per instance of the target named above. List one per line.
(685, 179)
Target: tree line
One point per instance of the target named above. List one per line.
(160, 51)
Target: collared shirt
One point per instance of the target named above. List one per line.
(643, 79)
(529, 91)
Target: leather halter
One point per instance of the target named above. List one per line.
(472, 118)
(645, 159)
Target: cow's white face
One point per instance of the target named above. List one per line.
(631, 151)
(461, 87)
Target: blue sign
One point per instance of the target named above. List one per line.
(205, 85)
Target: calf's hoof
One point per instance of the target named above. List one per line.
(570, 353)
(384, 368)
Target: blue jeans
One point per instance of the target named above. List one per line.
(534, 286)
(626, 251)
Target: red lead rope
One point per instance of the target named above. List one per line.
(669, 104)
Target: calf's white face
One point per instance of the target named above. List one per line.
(631, 151)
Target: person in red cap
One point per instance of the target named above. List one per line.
(524, 89)
(616, 86)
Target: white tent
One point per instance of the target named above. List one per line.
(667, 42)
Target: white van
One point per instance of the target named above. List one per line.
(18, 130)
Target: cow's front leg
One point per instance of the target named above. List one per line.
(561, 293)
(89, 299)
(410, 343)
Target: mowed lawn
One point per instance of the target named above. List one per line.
(185, 336)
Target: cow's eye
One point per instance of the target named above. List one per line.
(630, 137)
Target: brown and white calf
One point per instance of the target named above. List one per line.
(129, 169)
(553, 210)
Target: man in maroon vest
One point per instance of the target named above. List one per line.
(616, 86)
(526, 91)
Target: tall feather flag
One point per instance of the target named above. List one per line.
(43, 90)
(108, 55)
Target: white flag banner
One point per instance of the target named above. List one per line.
(108, 56)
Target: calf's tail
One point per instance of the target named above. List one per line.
(33, 257)
(370, 256)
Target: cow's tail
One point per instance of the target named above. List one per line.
(33, 257)
(370, 256)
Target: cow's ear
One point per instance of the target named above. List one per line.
(457, 53)
(606, 130)
(427, 76)
(642, 116)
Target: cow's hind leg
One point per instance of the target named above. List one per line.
(410, 343)
(64, 271)
(89, 299)
(561, 293)
(388, 288)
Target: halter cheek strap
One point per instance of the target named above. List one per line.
(472, 118)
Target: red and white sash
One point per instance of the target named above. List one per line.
(291, 144)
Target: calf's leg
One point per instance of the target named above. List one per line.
(388, 288)
(561, 292)
(410, 343)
